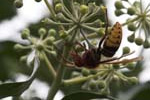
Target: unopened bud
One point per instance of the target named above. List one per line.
(92, 85)
(50, 40)
(25, 33)
(52, 32)
(18, 47)
(130, 66)
(118, 12)
(126, 50)
(131, 11)
(18, 3)
(38, 0)
(85, 72)
(101, 84)
(133, 80)
(23, 58)
(131, 38)
(131, 27)
(146, 44)
(42, 31)
(84, 9)
(101, 31)
(119, 5)
(62, 34)
(58, 7)
(139, 41)
(75, 74)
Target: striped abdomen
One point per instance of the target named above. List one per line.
(112, 41)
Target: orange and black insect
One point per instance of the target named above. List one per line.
(112, 41)
(108, 46)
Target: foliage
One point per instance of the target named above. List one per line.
(60, 45)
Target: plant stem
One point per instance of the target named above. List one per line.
(50, 67)
(131, 21)
(89, 28)
(58, 80)
(16, 98)
(56, 84)
(50, 8)
(91, 36)
(78, 80)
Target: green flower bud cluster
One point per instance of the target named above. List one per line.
(105, 74)
(138, 41)
(95, 85)
(77, 17)
(138, 24)
(99, 80)
(44, 43)
(120, 8)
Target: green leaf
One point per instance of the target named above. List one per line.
(143, 92)
(140, 92)
(86, 96)
(17, 88)
(7, 9)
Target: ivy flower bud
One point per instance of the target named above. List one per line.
(133, 80)
(101, 31)
(52, 32)
(130, 66)
(139, 41)
(119, 5)
(24, 58)
(94, 42)
(85, 72)
(40, 46)
(62, 34)
(41, 57)
(58, 7)
(103, 9)
(56, 1)
(116, 78)
(92, 85)
(105, 91)
(131, 38)
(93, 71)
(18, 3)
(50, 40)
(79, 48)
(38, 0)
(42, 31)
(146, 44)
(125, 0)
(84, 9)
(126, 50)
(116, 66)
(53, 52)
(136, 4)
(131, 11)
(131, 27)
(101, 84)
(25, 33)
(118, 12)
(75, 74)
(18, 47)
